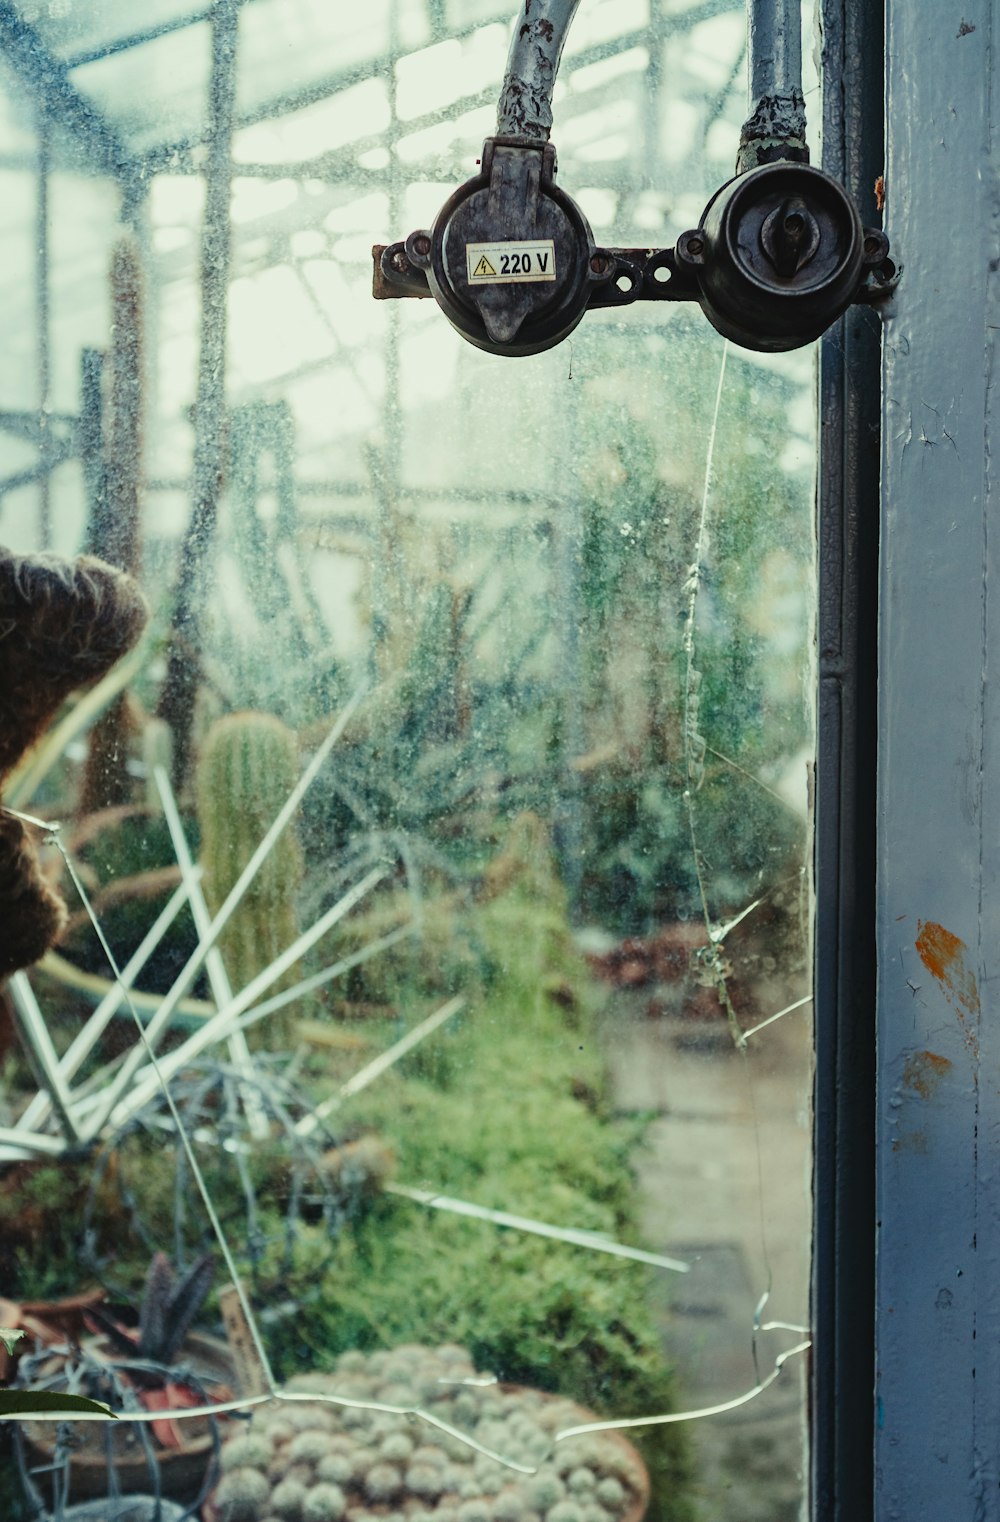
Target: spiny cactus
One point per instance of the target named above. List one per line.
(320, 1463)
(247, 767)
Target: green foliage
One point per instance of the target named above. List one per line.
(40, 1228)
(642, 489)
(123, 850)
(45, 1405)
(515, 1120)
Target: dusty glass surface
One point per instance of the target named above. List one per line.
(507, 1042)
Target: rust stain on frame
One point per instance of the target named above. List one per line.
(924, 1071)
(943, 954)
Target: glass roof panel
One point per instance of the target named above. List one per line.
(359, 111)
(293, 45)
(155, 91)
(72, 27)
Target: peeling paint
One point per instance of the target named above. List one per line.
(525, 108)
(943, 954)
(923, 1072)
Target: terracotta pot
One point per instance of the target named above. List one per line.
(182, 1471)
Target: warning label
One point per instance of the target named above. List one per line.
(504, 263)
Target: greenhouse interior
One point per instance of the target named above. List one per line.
(405, 883)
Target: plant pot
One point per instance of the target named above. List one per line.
(126, 1509)
(182, 1471)
(329, 1455)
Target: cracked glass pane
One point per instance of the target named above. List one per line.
(404, 895)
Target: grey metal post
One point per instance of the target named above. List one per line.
(938, 883)
(42, 329)
(210, 452)
(843, 1299)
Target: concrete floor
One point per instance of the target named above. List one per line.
(725, 1183)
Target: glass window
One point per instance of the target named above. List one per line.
(447, 830)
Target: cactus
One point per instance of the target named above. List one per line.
(247, 767)
(320, 1463)
(157, 750)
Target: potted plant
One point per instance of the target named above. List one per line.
(314, 1461)
(157, 1365)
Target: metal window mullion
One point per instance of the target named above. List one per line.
(844, 959)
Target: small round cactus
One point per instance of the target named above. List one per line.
(242, 1495)
(324, 1503)
(309, 1461)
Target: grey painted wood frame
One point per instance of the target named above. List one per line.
(937, 1428)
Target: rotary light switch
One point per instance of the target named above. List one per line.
(779, 254)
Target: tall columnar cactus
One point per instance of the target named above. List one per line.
(247, 767)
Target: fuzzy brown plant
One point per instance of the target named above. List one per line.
(63, 625)
(31, 911)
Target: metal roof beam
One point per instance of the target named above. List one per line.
(55, 94)
(148, 34)
(173, 157)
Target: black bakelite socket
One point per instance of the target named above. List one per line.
(511, 259)
(779, 254)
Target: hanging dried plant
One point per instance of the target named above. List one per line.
(32, 913)
(63, 625)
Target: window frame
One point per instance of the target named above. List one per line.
(843, 1285)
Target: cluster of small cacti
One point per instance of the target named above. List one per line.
(325, 1463)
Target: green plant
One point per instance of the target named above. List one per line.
(150, 1367)
(44, 1404)
(305, 1462)
(168, 1309)
(507, 1110)
(247, 767)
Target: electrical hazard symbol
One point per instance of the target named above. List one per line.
(509, 262)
